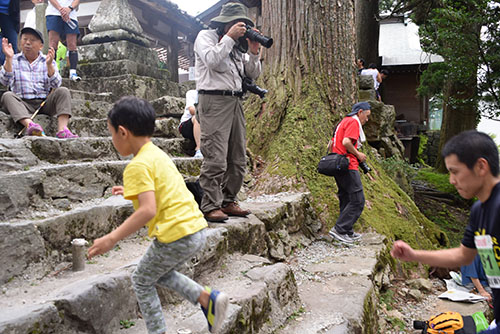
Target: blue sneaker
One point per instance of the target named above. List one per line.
(74, 77)
(216, 311)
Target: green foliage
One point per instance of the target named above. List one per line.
(292, 136)
(421, 149)
(448, 222)
(387, 298)
(395, 166)
(439, 181)
(124, 324)
(466, 35)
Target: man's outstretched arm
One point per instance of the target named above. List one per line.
(453, 257)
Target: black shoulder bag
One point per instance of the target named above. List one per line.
(333, 163)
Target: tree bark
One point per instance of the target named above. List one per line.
(311, 77)
(460, 106)
(457, 117)
(367, 30)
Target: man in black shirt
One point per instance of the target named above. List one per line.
(471, 157)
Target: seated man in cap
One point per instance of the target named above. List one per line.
(346, 140)
(30, 76)
(221, 63)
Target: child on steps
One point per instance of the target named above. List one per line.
(163, 203)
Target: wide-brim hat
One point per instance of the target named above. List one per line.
(359, 106)
(233, 11)
(33, 32)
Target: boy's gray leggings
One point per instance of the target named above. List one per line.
(157, 266)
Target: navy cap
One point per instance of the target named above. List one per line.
(359, 106)
(32, 31)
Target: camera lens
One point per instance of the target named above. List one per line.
(258, 37)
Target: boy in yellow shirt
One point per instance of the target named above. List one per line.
(163, 203)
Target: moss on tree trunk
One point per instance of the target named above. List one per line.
(311, 77)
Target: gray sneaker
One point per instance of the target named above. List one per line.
(355, 236)
(344, 238)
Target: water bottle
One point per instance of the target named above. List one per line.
(71, 24)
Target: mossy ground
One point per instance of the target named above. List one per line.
(291, 136)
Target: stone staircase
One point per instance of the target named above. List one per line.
(53, 191)
(56, 190)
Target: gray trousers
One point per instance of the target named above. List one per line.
(158, 266)
(223, 147)
(58, 103)
(351, 200)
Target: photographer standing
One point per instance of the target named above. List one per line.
(346, 141)
(221, 64)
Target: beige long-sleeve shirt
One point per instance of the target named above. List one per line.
(214, 69)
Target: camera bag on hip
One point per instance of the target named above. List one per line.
(447, 323)
(332, 164)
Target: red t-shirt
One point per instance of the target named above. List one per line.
(348, 128)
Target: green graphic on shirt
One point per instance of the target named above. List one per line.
(484, 247)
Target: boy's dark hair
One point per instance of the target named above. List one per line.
(386, 72)
(362, 61)
(135, 114)
(471, 145)
(372, 65)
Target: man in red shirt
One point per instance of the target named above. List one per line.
(346, 140)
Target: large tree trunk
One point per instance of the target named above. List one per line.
(311, 77)
(457, 117)
(367, 30)
(460, 108)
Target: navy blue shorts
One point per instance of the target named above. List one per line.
(56, 23)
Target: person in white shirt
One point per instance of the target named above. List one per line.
(189, 126)
(62, 20)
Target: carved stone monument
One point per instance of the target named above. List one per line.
(116, 45)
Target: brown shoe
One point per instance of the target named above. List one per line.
(215, 216)
(233, 209)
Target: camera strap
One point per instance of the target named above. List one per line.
(231, 55)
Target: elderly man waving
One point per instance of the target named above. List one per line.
(31, 76)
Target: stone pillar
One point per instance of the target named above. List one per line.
(41, 24)
(114, 21)
(116, 46)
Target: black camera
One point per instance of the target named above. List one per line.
(250, 86)
(258, 37)
(364, 167)
(417, 324)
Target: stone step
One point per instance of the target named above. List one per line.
(338, 286)
(43, 241)
(24, 153)
(44, 187)
(169, 106)
(128, 84)
(92, 96)
(85, 127)
(262, 295)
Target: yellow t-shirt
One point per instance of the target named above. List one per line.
(177, 213)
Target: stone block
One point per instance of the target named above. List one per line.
(117, 50)
(15, 155)
(129, 84)
(98, 304)
(121, 67)
(169, 105)
(43, 318)
(366, 82)
(20, 244)
(381, 122)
